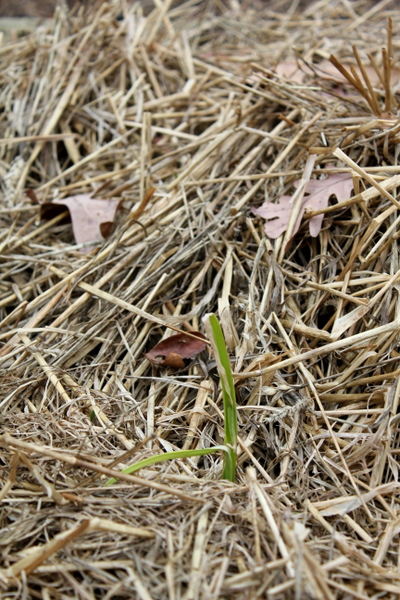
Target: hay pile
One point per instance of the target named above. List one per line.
(188, 101)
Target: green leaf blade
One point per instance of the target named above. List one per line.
(157, 458)
(216, 337)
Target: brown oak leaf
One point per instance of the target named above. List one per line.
(172, 351)
(319, 191)
(92, 218)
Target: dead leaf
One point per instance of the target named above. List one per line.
(331, 71)
(289, 69)
(92, 218)
(174, 360)
(296, 72)
(172, 351)
(319, 190)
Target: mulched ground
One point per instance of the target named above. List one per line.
(189, 118)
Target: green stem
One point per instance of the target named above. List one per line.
(216, 337)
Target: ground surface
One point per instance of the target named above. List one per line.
(27, 8)
(185, 120)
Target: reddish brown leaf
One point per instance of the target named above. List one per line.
(174, 360)
(92, 218)
(172, 351)
(319, 191)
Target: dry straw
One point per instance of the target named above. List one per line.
(186, 115)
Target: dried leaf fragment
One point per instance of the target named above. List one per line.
(172, 351)
(319, 191)
(92, 218)
(296, 72)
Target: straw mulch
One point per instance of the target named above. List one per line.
(186, 100)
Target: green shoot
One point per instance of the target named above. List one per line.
(146, 462)
(216, 337)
